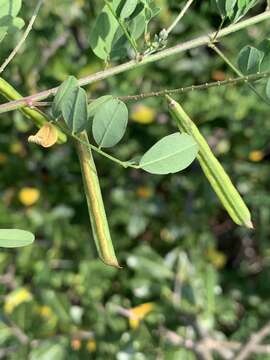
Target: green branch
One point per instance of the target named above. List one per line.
(125, 164)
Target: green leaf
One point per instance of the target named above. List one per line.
(137, 26)
(220, 7)
(66, 88)
(229, 6)
(48, 350)
(119, 45)
(59, 304)
(102, 34)
(241, 9)
(147, 261)
(175, 354)
(249, 60)
(171, 154)
(95, 105)
(8, 24)
(128, 8)
(17, 24)
(267, 90)
(151, 11)
(10, 7)
(234, 9)
(265, 48)
(74, 109)
(110, 122)
(10, 238)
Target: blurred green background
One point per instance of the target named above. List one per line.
(187, 269)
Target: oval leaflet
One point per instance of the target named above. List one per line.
(171, 154)
(11, 238)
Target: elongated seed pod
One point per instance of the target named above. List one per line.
(213, 170)
(95, 204)
(38, 117)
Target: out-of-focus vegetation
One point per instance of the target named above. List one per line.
(187, 267)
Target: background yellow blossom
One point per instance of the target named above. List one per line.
(143, 114)
(29, 196)
(138, 313)
(15, 298)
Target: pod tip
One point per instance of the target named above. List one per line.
(170, 100)
(249, 224)
(112, 262)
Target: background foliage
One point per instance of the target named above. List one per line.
(185, 262)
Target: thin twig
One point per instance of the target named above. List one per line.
(255, 340)
(226, 349)
(237, 71)
(52, 48)
(4, 352)
(183, 90)
(180, 16)
(25, 34)
(90, 146)
(18, 332)
(125, 164)
(17, 104)
(133, 64)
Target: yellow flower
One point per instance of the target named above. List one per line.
(256, 155)
(144, 192)
(48, 315)
(45, 311)
(46, 136)
(29, 196)
(143, 114)
(3, 158)
(15, 298)
(91, 345)
(76, 344)
(217, 258)
(138, 313)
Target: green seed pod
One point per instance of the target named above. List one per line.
(213, 170)
(95, 204)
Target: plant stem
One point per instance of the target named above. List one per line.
(133, 64)
(183, 90)
(237, 72)
(180, 16)
(25, 34)
(123, 27)
(98, 150)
